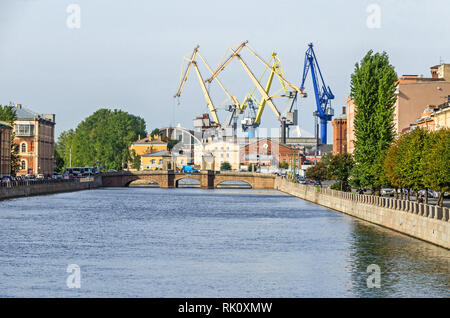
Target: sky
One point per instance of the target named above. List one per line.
(127, 54)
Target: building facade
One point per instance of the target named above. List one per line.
(35, 135)
(340, 133)
(5, 149)
(267, 153)
(434, 118)
(147, 145)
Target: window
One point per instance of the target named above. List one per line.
(24, 130)
(160, 161)
(24, 147)
(23, 165)
(153, 161)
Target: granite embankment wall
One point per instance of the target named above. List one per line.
(28, 188)
(426, 222)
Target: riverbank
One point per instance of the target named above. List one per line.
(425, 222)
(25, 189)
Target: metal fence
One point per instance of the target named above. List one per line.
(26, 183)
(425, 210)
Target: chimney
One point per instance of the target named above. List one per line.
(19, 106)
(343, 110)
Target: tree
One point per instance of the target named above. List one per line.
(409, 163)
(317, 172)
(136, 160)
(373, 86)
(105, 136)
(339, 168)
(8, 114)
(435, 164)
(225, 166)
(155, 132)
(284, 165)
(171, 143)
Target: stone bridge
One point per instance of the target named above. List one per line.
(169, 179)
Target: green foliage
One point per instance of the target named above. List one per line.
(155, 132)
(341, 186)
(373, 85)
(105, 136)
(8, 114)
(136, 160)
(225, 166)
(435, 164)
(59, 162)
(171, 143)
(317, 172)
(339, 168)
(284, 165)
(419, 160)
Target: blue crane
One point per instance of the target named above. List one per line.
(323, 94)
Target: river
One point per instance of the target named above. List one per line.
(190, 242)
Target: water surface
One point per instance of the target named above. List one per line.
(190, 242)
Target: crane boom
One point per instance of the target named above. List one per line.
(323, 95)
(193, 63)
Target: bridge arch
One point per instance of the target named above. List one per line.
(234, 183)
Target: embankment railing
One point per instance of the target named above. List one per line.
(421, 209)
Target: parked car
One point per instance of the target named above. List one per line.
(57, 176)
(6, 179)
(40, 177)
(387, 191)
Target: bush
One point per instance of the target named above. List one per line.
(337, 186)
(225, 166)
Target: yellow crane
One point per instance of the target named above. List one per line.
(254, 121)
(192, 63)
(283, 118)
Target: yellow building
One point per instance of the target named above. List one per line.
(155, 161)
(442, 117)
(220, 151)
(147, 145)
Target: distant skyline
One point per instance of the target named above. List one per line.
(128, 54)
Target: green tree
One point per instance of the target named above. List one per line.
(317, 172)
(410, 162)
(284, 165)
(136, 160)
(105, 136)
(171, 143)
(155, 132)
(8, 114)
(339, 168)
(225, 166)
(435, 164)
(373, 86)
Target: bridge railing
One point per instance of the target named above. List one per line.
(421, 209)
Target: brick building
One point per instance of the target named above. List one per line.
(5, 149)
(269, 153)
(340, 133)
(35, 135)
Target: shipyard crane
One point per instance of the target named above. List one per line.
(323, 94)
(285, 118)
(192, 63)
(253, 119)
